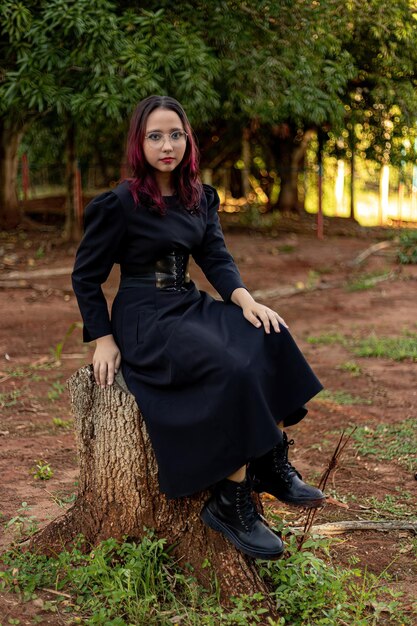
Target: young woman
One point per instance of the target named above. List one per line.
(213, 379)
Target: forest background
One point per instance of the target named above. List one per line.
(269, 87)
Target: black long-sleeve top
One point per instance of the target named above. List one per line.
(135, 237)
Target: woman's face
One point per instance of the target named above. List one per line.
(164, 144)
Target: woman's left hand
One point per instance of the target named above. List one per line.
(259, 314)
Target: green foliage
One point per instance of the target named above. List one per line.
(22, 524)
(408, 247)
(125, 583)
(310, 591)
(57, 350)
(85, 59)
(65, 424)
(389, 442)
(139, 583)
(351, 367)
(42, 470)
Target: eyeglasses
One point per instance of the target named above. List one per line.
(157, 140)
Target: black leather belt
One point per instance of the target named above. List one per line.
(170, 272)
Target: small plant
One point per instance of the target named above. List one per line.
(62, 499)
(9, 398)
(351, 367)
(42, 470)
(56, 391)
(22, 524)
(64, 424)
(57, 350)
(40, 252)
(408, 247)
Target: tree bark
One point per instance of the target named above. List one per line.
(289, 148)
(118, 492)
(11, 133)
(72, 231)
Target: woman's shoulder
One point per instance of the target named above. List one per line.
(211, 195)
(105, 205)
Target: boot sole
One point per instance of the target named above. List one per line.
(307, 504)
(213, 522)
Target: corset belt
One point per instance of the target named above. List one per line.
(170, 272)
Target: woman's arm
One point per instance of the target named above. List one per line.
(257, 313)
(105, 227)
(212, 254)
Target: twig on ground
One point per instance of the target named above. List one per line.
(376, 247)
(336, 528)
(342, 443)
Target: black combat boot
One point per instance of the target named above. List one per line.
(231, 511)
(274, 474)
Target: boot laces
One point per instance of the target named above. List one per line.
(245, 506)
(282, 465)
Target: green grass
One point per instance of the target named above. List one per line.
(122, 584)
(391, 506)
(342, 397)
(394, 348)
(389, 442)
(397, 348)
(366, 281)
(351, 367)
(328, 339)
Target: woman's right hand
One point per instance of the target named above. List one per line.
(106, 360)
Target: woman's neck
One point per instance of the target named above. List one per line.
(164, 182)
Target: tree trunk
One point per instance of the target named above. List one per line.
(10, 136)
(246, 158)
(72, 231)
(289, 148)
(118, 492)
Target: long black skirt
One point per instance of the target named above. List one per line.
(211, 386)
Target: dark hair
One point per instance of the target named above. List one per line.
(186, 177)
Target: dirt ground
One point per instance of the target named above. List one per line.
(35, 316)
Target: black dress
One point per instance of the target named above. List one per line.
(210, 385)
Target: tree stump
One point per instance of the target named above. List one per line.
(118, 492)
